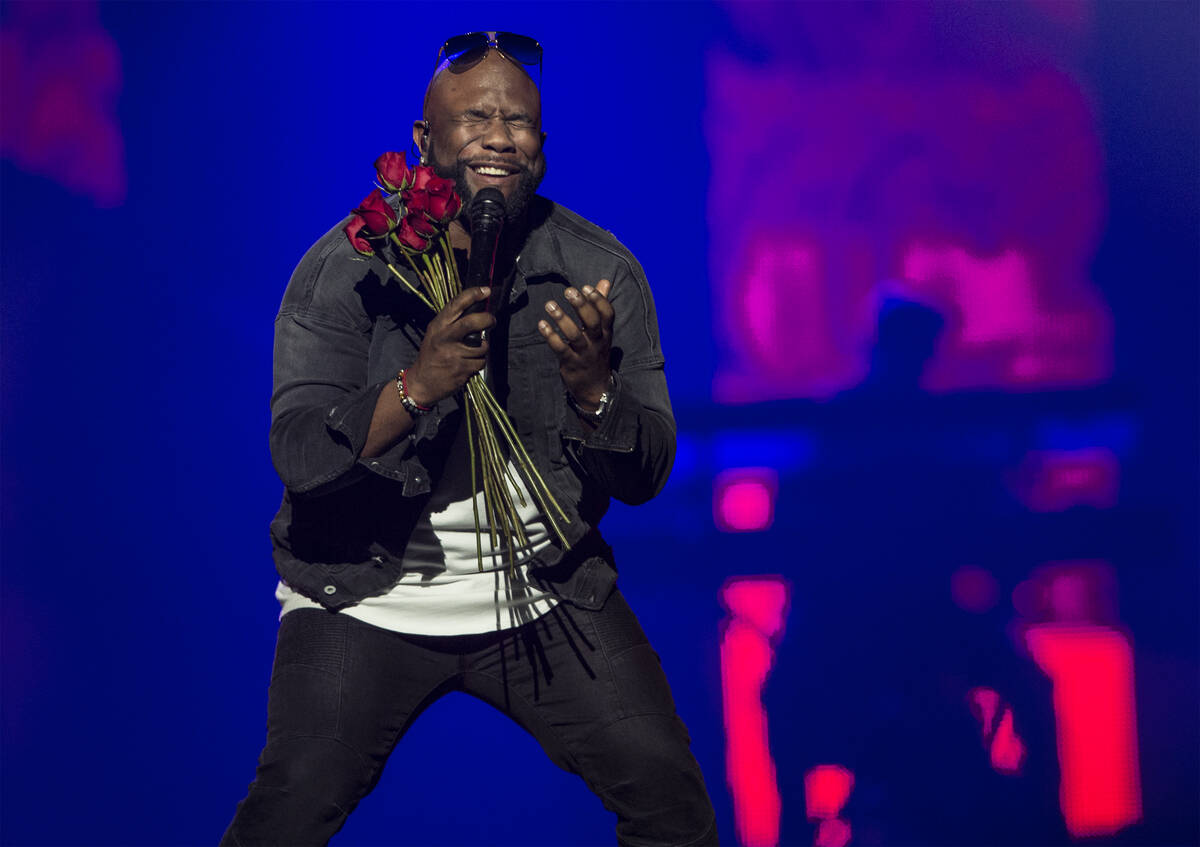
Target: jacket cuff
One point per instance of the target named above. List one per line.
(352, 420)
(618, 428)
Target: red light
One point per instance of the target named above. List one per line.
(826, 790)
(1091, 668)
(1005, 748)
(744, 499)
(834, 832)
(758, 609)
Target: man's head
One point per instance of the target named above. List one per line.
(483, 127)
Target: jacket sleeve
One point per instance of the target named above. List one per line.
(321, 403)
(631, 452)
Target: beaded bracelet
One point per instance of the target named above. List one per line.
(410, 405)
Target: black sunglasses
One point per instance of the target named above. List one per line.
(465, 49)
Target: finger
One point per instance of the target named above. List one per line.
(552, 338)
(468, 323)
(604, 309)
(463, 301)
(567, 328)
(588, 316)
(477, 356)
(599, 298)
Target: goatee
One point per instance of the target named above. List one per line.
(514, 206)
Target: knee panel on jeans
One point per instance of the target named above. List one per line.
(645, 773)
(314, 767)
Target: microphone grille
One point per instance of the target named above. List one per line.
(487, 202)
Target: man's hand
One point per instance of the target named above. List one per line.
(444, 363)
(582, 350)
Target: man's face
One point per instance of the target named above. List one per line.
(485, 129)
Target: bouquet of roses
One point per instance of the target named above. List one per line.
(417, 236)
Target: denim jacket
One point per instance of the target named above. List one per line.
(344, 329)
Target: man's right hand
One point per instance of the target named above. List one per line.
(444, 362)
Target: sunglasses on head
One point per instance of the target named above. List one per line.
(465, 49)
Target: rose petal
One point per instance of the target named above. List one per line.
(352, 231)
(380, 217)
(392, 171)
(409, 238)
(422, 174)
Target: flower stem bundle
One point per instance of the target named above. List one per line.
(421, 240)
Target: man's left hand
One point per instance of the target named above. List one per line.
(582, 350)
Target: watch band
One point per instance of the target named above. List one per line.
(606, 400)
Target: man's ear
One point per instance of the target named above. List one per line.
(420, 136)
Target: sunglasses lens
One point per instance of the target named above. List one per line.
(465, 47)
(521, 47)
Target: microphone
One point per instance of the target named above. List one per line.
(487, 219)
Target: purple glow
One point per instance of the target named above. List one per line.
(60, 75)
(1056, 480)
(975, 190)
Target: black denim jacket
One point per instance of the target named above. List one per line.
(343, 331)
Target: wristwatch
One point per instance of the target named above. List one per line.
(602, 409)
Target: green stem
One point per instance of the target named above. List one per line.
(474, 457)
(514, 439)
(541, 492)
(410, 286)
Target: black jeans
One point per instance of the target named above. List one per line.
(586, 685)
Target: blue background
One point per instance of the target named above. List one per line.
(138, 616)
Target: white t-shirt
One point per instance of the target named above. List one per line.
(442, 590)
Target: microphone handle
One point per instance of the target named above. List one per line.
(485, 233)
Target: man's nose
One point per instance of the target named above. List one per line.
(497, 137)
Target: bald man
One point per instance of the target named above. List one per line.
(384, 605)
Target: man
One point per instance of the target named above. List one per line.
(385, 607)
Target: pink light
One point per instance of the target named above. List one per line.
(1056, 480)
(834, 832)
(1091, 668)
(744, 499)
(826, 790)
(974, 589)
(1072, 633)
(758, 609)
(1006, 750)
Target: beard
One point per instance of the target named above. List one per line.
(514, 206)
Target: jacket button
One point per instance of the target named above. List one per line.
(329, 589)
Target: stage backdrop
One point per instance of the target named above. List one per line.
(926, 274)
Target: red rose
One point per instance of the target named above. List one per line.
(444, 202)
(444, 208)
(414, 202)
(421, 175)
(380, 218)
(359, 243)
(393, 172)
(421, 222)
(408, 237)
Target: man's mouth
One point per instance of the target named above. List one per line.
(493, 170)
